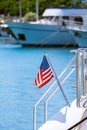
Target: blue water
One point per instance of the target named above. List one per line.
(18, 94)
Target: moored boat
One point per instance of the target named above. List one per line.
(78, 29)
(5, 37)
(50, 30)
(74, 115)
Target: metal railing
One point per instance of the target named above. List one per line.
(76, 25)
(53, 92)
(81, 80)
(51, 95)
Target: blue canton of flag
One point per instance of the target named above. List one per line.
(45, 73)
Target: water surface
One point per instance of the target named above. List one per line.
(18, 94)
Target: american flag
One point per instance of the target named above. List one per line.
(45, 73)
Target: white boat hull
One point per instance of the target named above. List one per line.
(41, 34)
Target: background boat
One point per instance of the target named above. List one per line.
(5, 37)
(51, 30)
(78, 28)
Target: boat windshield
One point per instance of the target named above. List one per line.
(53, 19)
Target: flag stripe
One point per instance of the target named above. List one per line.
(45, 74)
(47, 78)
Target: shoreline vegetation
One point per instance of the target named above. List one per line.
(10, 9)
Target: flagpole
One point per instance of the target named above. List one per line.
(58, 81)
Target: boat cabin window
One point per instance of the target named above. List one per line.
(47, 18)
(56, 19)
(50, 18)
(78, 20)
(21, 37)
(65, 20)
(65, 17)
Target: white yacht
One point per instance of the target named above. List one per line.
(73, 116)
(50, 30)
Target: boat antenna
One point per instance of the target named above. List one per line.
(37, 10)
(20, 10)
(75, 3)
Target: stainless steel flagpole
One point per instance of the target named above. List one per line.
(20, 10)
(58, 81)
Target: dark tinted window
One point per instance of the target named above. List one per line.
(21, 37)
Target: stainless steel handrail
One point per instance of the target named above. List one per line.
(50, 96)
(81, 80)
(49, 89)
(76, 25)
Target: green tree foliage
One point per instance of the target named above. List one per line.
(30, 16)
(12, 6)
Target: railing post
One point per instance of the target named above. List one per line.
(84, 71)
(52, 94)
(78, 78)
(35, 106)
(34, 125)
